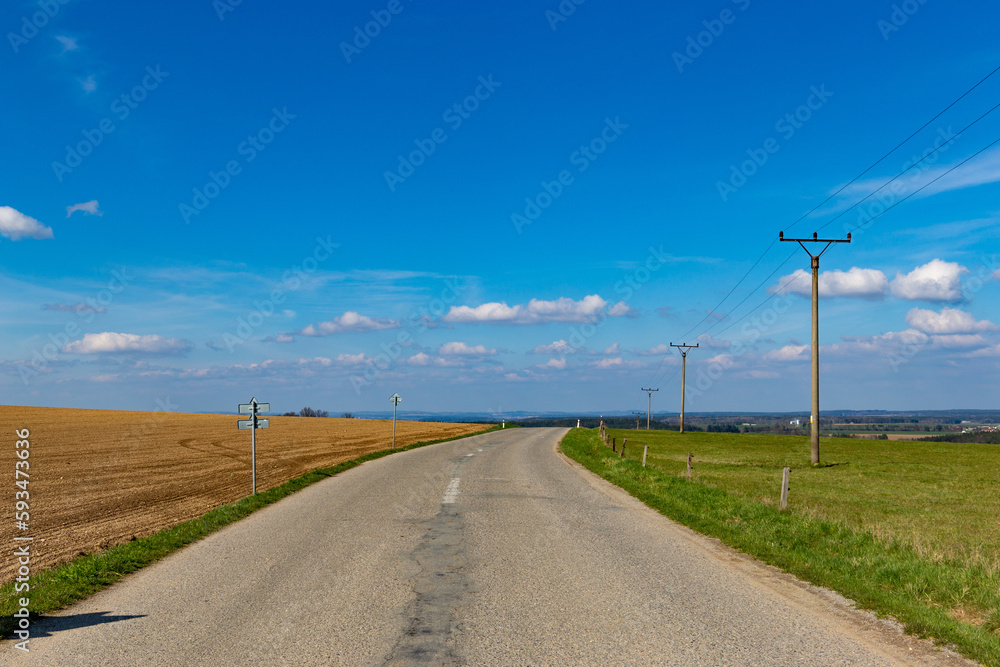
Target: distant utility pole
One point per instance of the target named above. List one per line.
(684, 360)
(637, 415)
(649, 405)
(814, 431)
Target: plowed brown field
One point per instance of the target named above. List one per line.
(101, 477)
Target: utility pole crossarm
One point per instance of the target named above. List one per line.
(815, 239)
(814, 261)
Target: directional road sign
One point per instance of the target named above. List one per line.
(395, 399)
(253, 408)
(247, 408)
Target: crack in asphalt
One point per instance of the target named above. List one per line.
(440, 586)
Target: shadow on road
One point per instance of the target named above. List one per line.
(46, 626)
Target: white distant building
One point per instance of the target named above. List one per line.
(796, 422)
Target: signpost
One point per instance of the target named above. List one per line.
(254, 423)
(395, 399)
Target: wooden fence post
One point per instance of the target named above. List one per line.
(784, 488)
(624, 440)
(689, 465)
(613, 445)
(644, 450)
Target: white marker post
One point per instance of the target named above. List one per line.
(395, 399)
(252, 408)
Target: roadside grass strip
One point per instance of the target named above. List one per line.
(65, 584)
(954, 601)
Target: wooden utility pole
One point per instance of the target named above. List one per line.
(649, 405)
(814, 431)
(637, 415)
(684, 358)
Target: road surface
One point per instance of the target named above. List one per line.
(492, 550)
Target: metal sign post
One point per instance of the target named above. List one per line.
(254, 423)
(395, 399)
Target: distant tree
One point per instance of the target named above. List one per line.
(347, 415)
(290, 414)
(309, 412)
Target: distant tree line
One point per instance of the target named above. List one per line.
(978, 437)
(307, 412)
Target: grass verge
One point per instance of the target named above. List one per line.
(930, 598)
(68, 583)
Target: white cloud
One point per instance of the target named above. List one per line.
(657, 351)
(882, 344)
(284, 338)
(424, 359)
(89, 207)
(89, 84)
(344, 359)
(759, 375)
(948, 321)
(557, 364)
(612, 349)
(855, 283)
(69, 43)
(958, 340)
(419, 359)
(980, 170)
(111, 343)
(622, 309)
(16, 225)
(557, 347)
(349, 322)
(935, 281)
(616, 363)
(706, 340)
(589, 309)
(724, 360)
(74, 308)
(789, 353)
(991, 351)
(462, 349)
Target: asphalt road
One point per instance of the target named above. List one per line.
(492, 550)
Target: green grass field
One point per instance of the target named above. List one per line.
(943, 499)
(907, 529)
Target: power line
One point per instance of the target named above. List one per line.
(824, 202)
(858, 203)
(781, 288)
(912, 166)
(845, 186)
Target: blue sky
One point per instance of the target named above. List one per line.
(496, 208)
